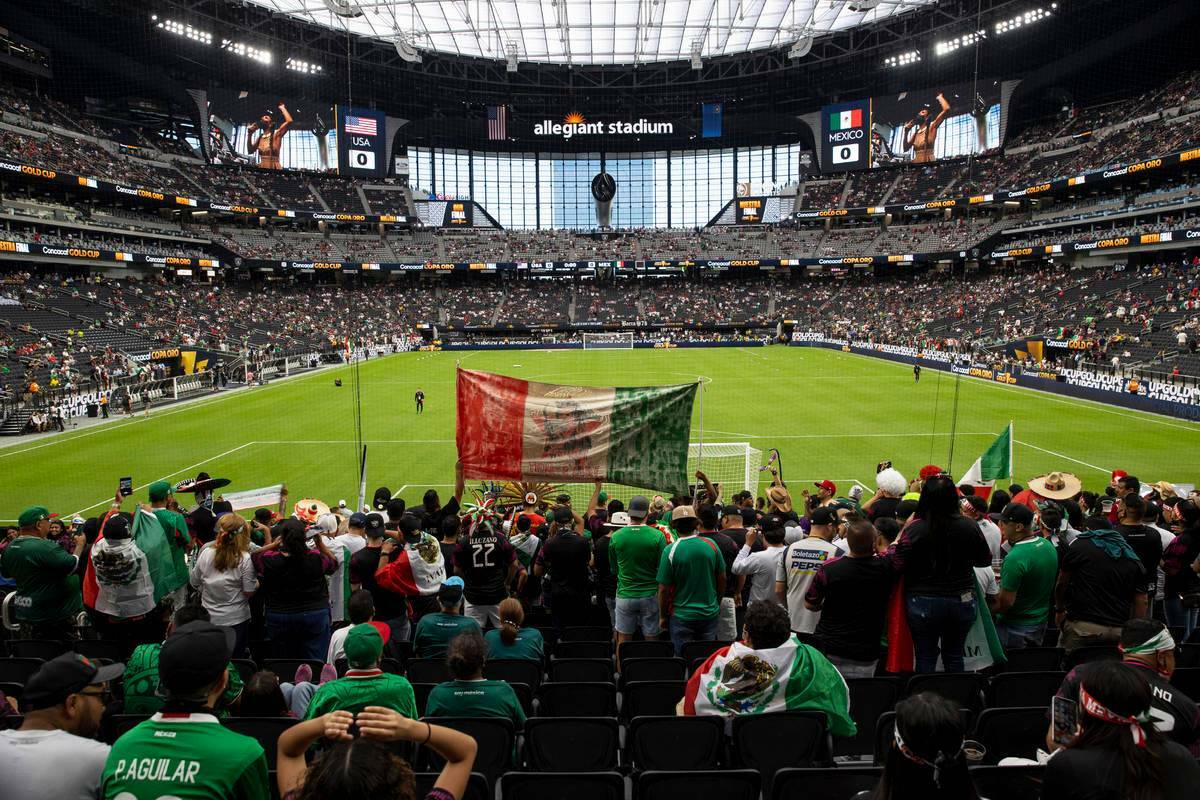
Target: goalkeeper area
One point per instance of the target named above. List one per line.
(831, 415)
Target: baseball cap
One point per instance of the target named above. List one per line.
(771, 522)
(563, 515)
(380, 500)
(1018, 513)
(683, 512)
(823, 516)
(63, 676)
(410, 526)
(194, 657)
(618, 520)
(32, 516)
(639, 506)
(827, 485)
(732, 511)
(116, 527)
(358, 520)
(451, 591)
(159, 491)
(265, 516)
(363, 646)
(374, 525)
(327, 524)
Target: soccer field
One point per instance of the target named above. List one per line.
(831, 415)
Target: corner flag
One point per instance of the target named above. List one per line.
(996, 462)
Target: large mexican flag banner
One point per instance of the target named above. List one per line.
(510, 429)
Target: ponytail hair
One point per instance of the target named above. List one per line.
(511, 617)
(233, 539)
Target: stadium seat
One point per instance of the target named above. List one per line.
(586, 670)
(1034, 659)
(702, 650)
(627, 651)
(427, 670)
(17, 670)
(11, 689)
(477, 785)
(1011, 732)
(560, 785)
(1188, 656)
(869, 697)
(1009, 783)
(101, 648)
(514, 670)
(265, 730)
(1187, 680)
(421, 693)
(728, 784)
(494, 737)
(583, 650)
(885, 729)
(573, 699)
(1013, 689)
(653, 669)
(676, 743)
(571, 744)
(587, 633)
(45, 649)
(651, 698)
(965, 689)
(770, 742)
(112, 726)
(826, 783)
(1099, 652)
(401, 651)
(286, 668)
(389, 665)
(524, 696)
(246, 668)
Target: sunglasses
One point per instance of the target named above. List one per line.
(105, 696)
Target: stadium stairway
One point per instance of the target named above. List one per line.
(14, 424)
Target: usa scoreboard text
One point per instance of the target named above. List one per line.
(362, 145)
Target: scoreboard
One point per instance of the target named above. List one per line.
(362, 142)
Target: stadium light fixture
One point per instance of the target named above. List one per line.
(182, 29)
(958, 42)
(903, 59)
(803, 44)
(861, 6)
(510, 57)
(697, 51)
(1028, 18)
(344, 8)
(259, 54)
(405, 49)
(299, 65)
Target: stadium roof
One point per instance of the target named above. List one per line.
(592, 31)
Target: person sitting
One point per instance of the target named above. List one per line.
(365, 766)
(53, 754)
(510, 640)
(470, 694)
(141, 680)
(719, 687)
(361, 608)
(926, 759)
(263, 696)
(185, 750)
(435, 631)
(365, 683)
(1115, 755)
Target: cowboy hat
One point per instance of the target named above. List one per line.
(1056, 486)
(780, 498)
(1165, 489)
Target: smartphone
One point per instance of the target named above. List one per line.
(126, 487)
(882, 465)
(1064, 719)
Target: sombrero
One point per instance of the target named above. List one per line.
(1056, 486)
(309, 509)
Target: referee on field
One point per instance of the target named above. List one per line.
(420, 398)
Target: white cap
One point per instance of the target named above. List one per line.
(327, 524)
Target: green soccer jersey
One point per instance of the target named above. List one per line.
(362, 688)
(47, 588)
(634, 551)
(528, 645)
(184, 756)
(140, 682)
(482, 698)
(175, 526)
(435, 631)
(1030, 570)
(690, 566)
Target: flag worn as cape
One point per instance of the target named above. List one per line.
(150, 538)
(996, 462)
(419, 569)
(737, 680)
(510, 429)
(982, 648)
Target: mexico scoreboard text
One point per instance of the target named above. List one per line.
(846, 136)
(361, 142)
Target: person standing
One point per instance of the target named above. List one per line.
(295, 591)
(420, 398)
(916, 373)
(635, 551)
(691, 580)
(799, 564)
(416, 570)
(1144, 540)
(175, 527)
(759, 567)
(1027, 579)
(1101, 584)
(564, 559)
(390, 607)
(487, 563)
(48, 597)
(731, 598)
(224, 576)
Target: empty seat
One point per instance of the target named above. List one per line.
(559, 785)
(1013, 689)
(694, 650)
(730, 784)
(17, 670)
(651, 698)
(514, 670)
(45, 649)
(1009, 783)
(1189, 655)
(828, 783)
(100, 648)
(869, 697)
(583, 650)
(1031, 659)
(647, 649)
(571, 744)
(676, 743)
(587, 670)
(427, 670)
(964, 689)
(494, 737)
(1187, 680)
(421, 694)
(477, 785)
(576, 699)
(587, 633)
(1097, 652)
(770, 742)
(653, 669)
(265, 730)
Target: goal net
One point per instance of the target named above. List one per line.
(733, 465)
(616, 340)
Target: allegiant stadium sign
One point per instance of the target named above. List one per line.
(575, 124)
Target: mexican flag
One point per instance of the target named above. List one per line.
(736, 680)
(510, 429)
(147, 533)
(996, 462)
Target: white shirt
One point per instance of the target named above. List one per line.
(342, 547)
(987, 580)
(223, 594)
(1167, 537)
(50, 765)
(991, 532)
(337, 644)
(760, 569)
(796, 568)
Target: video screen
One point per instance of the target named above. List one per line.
(259, 130)
(941, 122)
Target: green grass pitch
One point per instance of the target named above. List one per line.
(830, 414)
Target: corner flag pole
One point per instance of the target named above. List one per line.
(1012, 435)
(700, 447)
(362, 479)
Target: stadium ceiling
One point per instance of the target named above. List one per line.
(593, 32)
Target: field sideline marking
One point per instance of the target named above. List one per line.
(1068, 458)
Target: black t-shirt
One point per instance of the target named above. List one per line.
(432, 521)
(729, 552)
(738, 535)
(483, 559)
(295, 583)
(388, 605)
(1175, 714)
(934, 567)
(883, 507)
(853, 593)
(606, 576)
(1102, 587)
(566, 558)
(1147, 543)
(448, 555)
(1099, 774)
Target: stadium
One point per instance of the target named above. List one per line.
(599, 398)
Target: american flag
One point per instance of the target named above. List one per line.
(497, 123)
(364, 125)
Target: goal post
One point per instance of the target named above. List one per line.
(608, 340)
